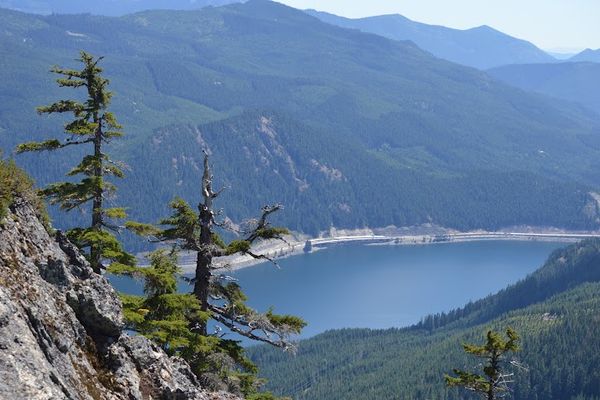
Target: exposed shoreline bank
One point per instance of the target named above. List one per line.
(297, 245)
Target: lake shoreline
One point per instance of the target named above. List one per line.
(294, 246)
(340, 287)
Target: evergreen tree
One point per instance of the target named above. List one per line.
(162, 314)
(494, 381)
(93, 125)
(214, 358)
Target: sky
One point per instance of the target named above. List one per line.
(554, 25)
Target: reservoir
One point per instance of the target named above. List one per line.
(366, 286)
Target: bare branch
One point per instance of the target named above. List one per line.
(263, 257)
(229, 322)
(218, 192)
(263, 223)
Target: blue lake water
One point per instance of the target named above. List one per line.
(355, 285)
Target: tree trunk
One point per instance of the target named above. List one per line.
(495, 364)
(96, 248)
(202, 284)
(204, 256)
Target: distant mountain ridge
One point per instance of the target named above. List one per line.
(587, 55)
(107, 7)
(481, 47)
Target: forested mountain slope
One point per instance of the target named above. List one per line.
(573, 81)
(345, 128)
(555, 310)
(481, 47)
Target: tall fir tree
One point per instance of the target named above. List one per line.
(94, 126)
(494, 383)
(220, 299)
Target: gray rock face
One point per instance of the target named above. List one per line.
(61, 327)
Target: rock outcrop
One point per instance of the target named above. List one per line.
(61, 327)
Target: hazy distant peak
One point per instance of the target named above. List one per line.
(589, 55)
(389, 16)
(484, 28)
(481, 47)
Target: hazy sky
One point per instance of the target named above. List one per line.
(549, 24)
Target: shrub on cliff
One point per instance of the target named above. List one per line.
(14, 182)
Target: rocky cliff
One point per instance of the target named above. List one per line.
(61, 327)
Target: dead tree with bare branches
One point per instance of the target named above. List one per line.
(219, 297)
